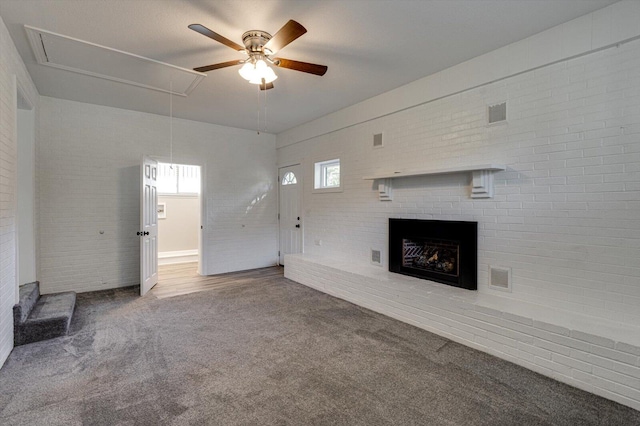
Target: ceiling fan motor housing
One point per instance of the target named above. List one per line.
(255, 40)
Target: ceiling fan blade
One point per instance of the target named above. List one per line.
(215, 36)
(266, 86)
(301, 66)
(289, 32)
(218, 66)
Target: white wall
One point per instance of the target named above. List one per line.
(179, 230)
(13, 74)
(565, 215)
(598, 30)
(88, 177)
(26, 197)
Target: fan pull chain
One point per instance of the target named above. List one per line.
(265, 108)
(258, 111)
(171, 124)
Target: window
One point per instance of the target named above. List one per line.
(289, 179)
(178, 179)
(327, 176)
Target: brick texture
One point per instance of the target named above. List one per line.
(581, 359)
(12, 73)
(565, 212)
(88, 181)
(564, 216)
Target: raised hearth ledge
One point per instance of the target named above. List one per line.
(596, 355)
(481, 185)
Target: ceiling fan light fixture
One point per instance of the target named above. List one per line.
(269, 75)
(267, 78)
(247, 71)
(257, 72)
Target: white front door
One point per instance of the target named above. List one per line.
(290, 205)
(148, 225)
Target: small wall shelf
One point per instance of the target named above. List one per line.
(482, 179)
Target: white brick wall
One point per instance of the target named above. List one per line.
(603, 28)
(601, 365)
(12, 72)
(87, 177)
(565, 216)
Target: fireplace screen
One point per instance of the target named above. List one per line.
(443, 251)
(431, 255)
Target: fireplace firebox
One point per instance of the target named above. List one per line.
(437, 250)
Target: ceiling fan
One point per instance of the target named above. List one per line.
(260, 46)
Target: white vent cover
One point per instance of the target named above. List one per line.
(500, 278)
(377, 140)
(70, 54)
(376, 257)
(498, 113)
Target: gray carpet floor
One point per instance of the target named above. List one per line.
(274, 353)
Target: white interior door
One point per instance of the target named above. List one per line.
(290, 207)
(148, 225)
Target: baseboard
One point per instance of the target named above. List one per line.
(173, 257)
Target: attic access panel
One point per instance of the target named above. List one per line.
(67, 53)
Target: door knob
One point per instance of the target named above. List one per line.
(146, 233)
(298, 225)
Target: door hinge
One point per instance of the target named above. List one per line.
(278, 216)
(278, 254)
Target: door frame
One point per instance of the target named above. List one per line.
(202, 262)
(278, 178)
(23, 102)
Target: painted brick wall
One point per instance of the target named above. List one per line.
(566, 213)
(584, 352)
(12, 70)
(88, 178)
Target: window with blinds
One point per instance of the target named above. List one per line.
(178, 179)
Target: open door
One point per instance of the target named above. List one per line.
(148, 225)
(289, 212)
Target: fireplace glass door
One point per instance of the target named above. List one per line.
(438, 250)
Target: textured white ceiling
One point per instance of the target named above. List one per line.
(370, 47)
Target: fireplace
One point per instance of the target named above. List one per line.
(436, 250)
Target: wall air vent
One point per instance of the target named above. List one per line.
(70, 54)
(377, 140)
(500, 278)
(497, 113)
(376, 257)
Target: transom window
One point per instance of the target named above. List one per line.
(289, 179)
(178, 179)
(327, 174)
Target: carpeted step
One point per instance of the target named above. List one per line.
(50, 317)
(29, 294)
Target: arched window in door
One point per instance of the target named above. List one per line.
(289, 179)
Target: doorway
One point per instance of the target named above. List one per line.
(179, 215)
(290, 222)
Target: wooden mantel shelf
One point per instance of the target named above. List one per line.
(462, 169)
(482, 178)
